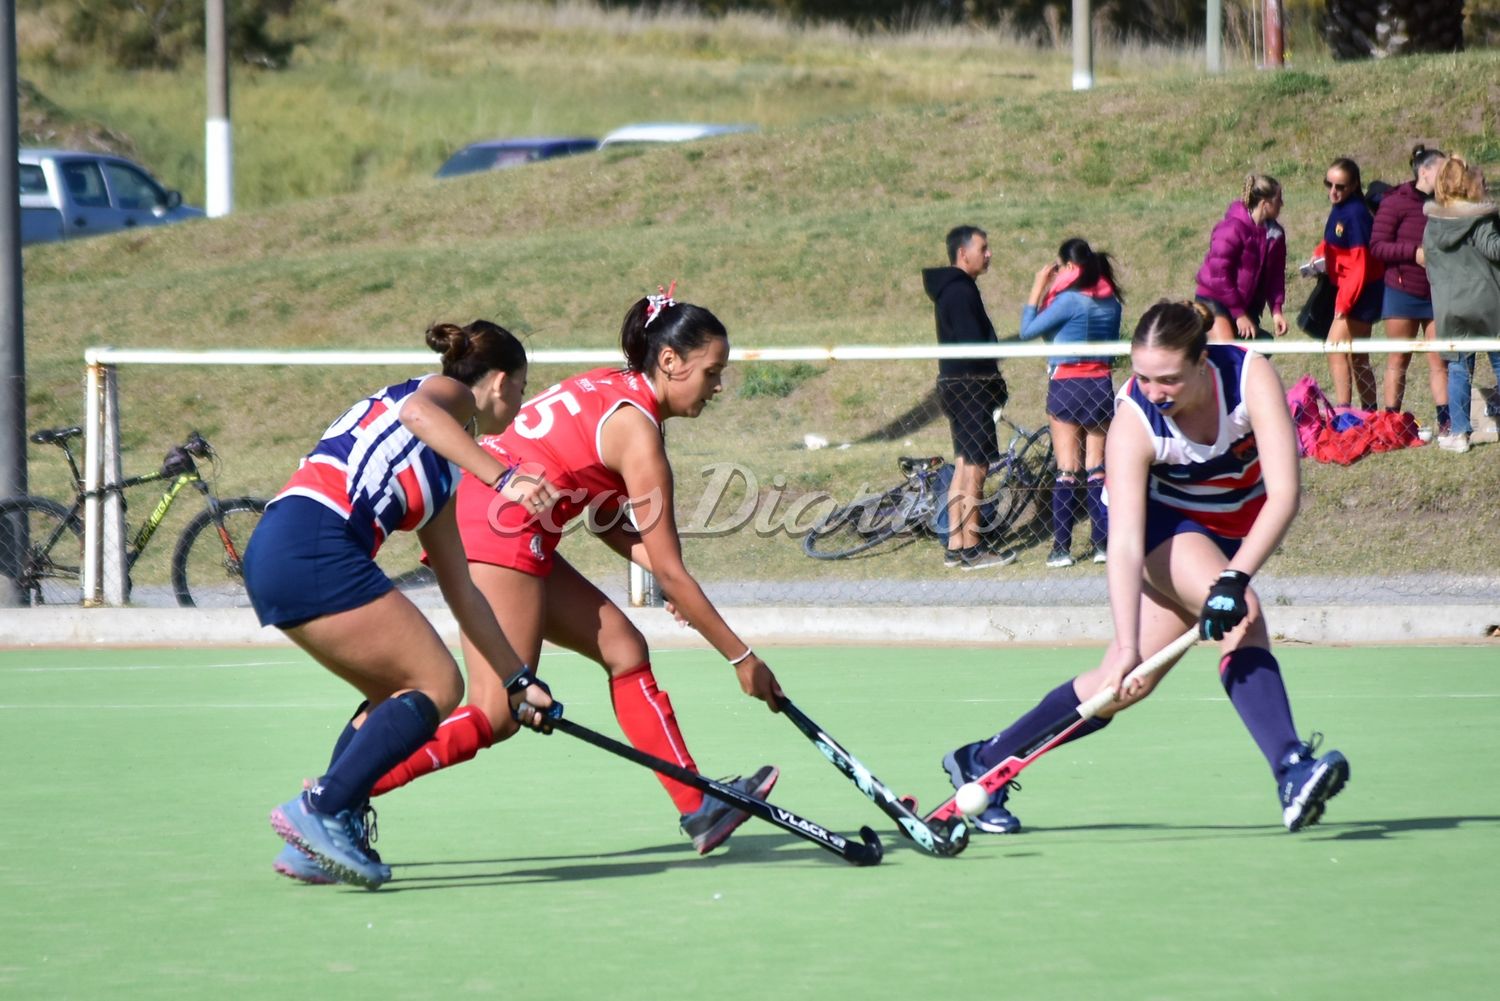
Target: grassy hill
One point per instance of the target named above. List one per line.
(812, 230)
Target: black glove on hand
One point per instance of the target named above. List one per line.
(1225, 607)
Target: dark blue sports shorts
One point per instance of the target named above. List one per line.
(303, 562)
(1367, 307)
(1163, 523)
(1088, 402)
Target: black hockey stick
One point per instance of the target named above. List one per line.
(946, 836)
(996, 778)
(867, 853)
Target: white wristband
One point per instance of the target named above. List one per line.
(742, 657)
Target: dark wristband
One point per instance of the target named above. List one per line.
(522, 680)
(1239, 577)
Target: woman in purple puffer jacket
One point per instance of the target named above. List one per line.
(1245, 270)
(1396, 239)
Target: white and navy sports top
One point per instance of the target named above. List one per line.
(374, 472)
(1217, 484)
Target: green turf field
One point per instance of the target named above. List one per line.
(137, 855)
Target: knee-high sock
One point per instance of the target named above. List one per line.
(393, 730)
(1021, 734)
(1098, 513)
(458, 738)
(1252, 679)
(646, 717)
(1064, 511)
(347, 735)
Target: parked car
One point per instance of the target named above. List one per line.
(498, 154)
(668, 132)
(67, 194)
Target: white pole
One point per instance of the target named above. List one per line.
(1215, 36)
(113, 571)
(218, 154)
(1083, 46)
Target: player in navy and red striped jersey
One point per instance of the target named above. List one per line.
(389, 463)
(1357, 275)
(1203, 483)
(598, 438)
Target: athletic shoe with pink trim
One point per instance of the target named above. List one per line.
(711, 824)
(332, 839)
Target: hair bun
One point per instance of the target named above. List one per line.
(448, 340)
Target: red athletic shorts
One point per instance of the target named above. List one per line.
(502, 533)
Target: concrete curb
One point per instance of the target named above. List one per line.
(786, 626)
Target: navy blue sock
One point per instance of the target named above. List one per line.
(349, 731)
(395, 729)
(1098, 513)
(1442, 414)
(1252, 679)
(1064, 512)
(1021, 734)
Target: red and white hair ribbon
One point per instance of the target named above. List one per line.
(656, 303)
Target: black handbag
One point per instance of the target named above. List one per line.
(1317, 312)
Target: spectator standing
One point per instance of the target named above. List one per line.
(1245, 270)
(1462, 246)
(1396, 240)
(1076, 299)
(1356, 276)
(970, 390)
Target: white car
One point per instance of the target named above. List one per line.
(668, 132)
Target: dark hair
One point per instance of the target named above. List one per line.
(1351, 168)
(469, 352)
(680, 326)
(1177, 326)
(1092, 265)
(958, 239)
(1421, 156)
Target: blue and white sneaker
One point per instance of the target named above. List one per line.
(961, 768)
(296, 864)
(331, 839)
(1308, 782)
(711, 824)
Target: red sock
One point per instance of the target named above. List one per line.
(458, 738)
(645, 714)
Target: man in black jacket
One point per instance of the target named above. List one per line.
(969, 389)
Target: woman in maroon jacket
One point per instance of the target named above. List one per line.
(1396, 239)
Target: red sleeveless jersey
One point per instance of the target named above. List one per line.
(558, 431)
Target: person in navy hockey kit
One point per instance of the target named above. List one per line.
(1202, 485)
(389, 463)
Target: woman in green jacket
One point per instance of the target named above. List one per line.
(1462, 247)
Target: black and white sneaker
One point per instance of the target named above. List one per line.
(711, 824)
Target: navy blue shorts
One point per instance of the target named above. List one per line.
(1163, 523)
(1367, 306)
(303, 562)
(1219, 309)
(1088, 402)
(1400, 304)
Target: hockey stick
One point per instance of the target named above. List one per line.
(947, 837)
(996, 778)
(867, 853)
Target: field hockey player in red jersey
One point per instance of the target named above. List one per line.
(598, 437)
(1202, 485)
(389, 463)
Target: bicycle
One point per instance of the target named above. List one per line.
(206, 567)
(1016, 491)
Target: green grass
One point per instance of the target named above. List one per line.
(1153, 864)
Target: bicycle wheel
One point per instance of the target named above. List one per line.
(1018, 489)
(206, 566)
(859, 527)
(48, 570)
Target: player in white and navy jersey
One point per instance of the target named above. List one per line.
(1202, 485)
(389, 463)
